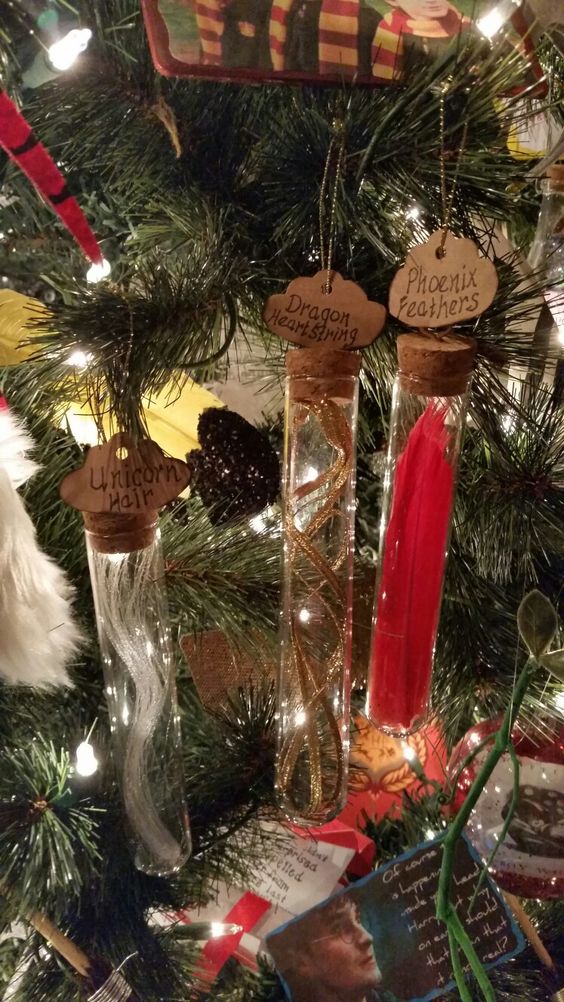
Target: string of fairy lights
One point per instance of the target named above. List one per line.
(60, 48)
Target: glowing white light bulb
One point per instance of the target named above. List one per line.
(86, 761)
(413, 212)
(491, 22)
(65, 52)
(300, 718)
(409, 753)
(99, 271)
(304, 616)
(559, 701)
(80, 359)
(257, 523)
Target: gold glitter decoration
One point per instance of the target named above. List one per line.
(309, 523)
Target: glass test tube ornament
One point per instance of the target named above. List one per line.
(119, 490)
(428, 416)
(316, 620)
(547, 250)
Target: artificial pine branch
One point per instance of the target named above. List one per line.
(44, 827)
(232, 220)
(221, 577)
(514, 490)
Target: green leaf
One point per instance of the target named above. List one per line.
(537, 622)
(554, 661)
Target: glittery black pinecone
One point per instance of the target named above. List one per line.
(236, 472)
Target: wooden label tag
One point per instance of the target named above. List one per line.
(438, 291)
(308, 316)
(122, 478)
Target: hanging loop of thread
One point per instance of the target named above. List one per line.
(334, 159)
(447, 204)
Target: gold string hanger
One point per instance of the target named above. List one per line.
(447, 205)
(335, 158)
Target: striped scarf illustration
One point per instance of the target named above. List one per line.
(23, 147)
(388, 46)
(209, 18)
(338, 36)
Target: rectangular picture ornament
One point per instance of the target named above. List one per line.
(379, 940)
(314, 41)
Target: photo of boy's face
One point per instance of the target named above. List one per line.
(364, 945)
(330, 957)
(422, 8)
(343, 958)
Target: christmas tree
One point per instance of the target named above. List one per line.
(207, 198)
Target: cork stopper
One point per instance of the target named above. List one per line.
(555, 173)
(435, 366)
(322, 372)
(109, 533)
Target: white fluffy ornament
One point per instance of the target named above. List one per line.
(14, 444)
(38, 635)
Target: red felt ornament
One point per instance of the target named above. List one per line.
(23, 147)
(530, 860)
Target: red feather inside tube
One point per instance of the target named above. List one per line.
(20, 143)
(410, 587)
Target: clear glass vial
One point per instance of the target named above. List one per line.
(316, 615)
(427, 420)
(127, 574)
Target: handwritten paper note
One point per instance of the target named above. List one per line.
(298, 873)
(437, 288)
(307, 314)
(396, 908)
(301, 873)
(413, 882)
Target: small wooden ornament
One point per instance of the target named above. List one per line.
(124, 478)
(308, 314)
(437, 288)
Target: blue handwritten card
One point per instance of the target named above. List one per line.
(379, 940)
